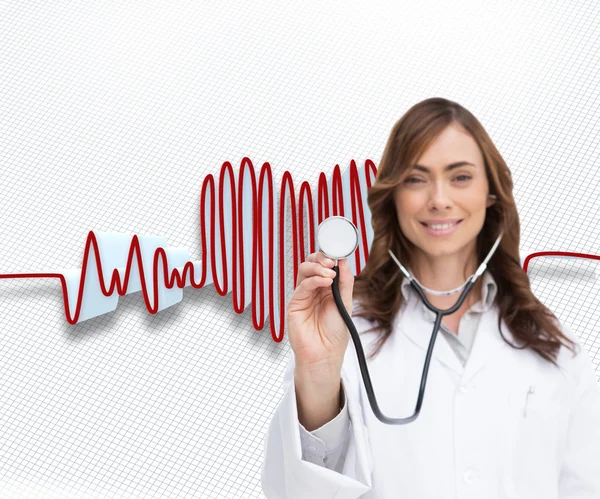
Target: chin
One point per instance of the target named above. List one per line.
(443, 247)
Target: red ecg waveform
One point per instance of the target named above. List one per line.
(106, 251)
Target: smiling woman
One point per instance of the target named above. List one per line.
(508, 411)
(441, 167)
(440, 209)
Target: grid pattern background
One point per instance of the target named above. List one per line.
(111, 115)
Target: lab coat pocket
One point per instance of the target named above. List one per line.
(532, 427)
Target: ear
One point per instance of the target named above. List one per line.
(491, 200)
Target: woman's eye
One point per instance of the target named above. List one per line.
(415, 180)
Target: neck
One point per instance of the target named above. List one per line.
(443, 273)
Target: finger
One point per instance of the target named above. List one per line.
(306, 289)
(346, 282)
(318, 269)
(303, 268)
(343, 277)
(320, 257)
(309, 269)
(345, 271)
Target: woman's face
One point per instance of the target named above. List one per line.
(433, 192)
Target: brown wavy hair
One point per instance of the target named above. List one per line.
(377, 286)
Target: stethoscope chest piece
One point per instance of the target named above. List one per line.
(337, 237)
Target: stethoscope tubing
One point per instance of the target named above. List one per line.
(361, 355)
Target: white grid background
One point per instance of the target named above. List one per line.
(112, 114)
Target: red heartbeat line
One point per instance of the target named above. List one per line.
(176, 278)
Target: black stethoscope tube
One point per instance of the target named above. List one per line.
(361, 355)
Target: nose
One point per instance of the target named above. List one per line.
(439, 198)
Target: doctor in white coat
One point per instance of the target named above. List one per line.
(512, 405)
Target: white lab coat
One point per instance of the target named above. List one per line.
(479, 433)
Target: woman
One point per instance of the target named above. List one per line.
(512, 406)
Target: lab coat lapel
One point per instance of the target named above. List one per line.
(487, 344)
(413, 325)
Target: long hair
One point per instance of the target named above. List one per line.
(377, 286)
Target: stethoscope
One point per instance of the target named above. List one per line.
(338, 238)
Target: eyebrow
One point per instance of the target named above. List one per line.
(451, 166)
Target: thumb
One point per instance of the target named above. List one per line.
(346, 282)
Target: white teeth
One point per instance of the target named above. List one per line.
(442, 227)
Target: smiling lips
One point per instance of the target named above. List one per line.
(437, 229)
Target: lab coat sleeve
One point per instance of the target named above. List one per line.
(284, 474)
(580, 471)
(327, 445)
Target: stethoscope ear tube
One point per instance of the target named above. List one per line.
(361, 355)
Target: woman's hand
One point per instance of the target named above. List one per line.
(317, 332)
